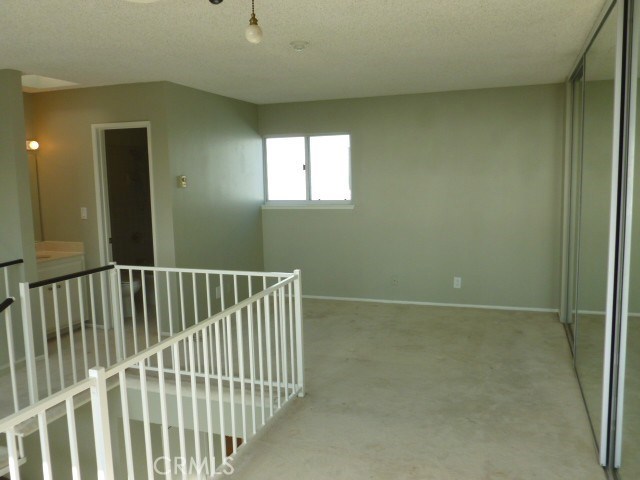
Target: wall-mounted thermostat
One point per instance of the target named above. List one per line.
(182, 181)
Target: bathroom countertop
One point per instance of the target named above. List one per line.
(49, 255)
(47, 251)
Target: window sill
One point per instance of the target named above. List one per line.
(308, 206)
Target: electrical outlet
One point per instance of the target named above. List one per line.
(394, 281)
(457, 282)
(217, 292)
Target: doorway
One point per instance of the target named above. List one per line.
(125, 194)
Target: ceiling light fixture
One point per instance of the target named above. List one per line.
(253, 33)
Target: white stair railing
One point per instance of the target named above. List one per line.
(78, 321)
(204, 391)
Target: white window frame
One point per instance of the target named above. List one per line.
(308, 203)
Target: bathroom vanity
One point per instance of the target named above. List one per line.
(56, 259)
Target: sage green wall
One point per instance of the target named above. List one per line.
(448, 184)
(16, 225)
(63, 122)
(214, 141)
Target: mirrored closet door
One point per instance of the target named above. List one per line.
(627, 427)
(593, 166)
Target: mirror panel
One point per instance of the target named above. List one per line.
(577, 102)
(594, 215)
(630, 460)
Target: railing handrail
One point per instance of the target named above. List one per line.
(178, 337)
(6, 303)
(70, 276)
(238, 273)
(11, 262)
(46, 403)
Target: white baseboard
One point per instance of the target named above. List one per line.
(433, 304)
(603, 313)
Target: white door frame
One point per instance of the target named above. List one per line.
(100, 168)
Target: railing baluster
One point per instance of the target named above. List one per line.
(14, 456)
(45, 343)
(276, 339)
(232, 386)
(56, 316)
(73, 439)
(103, 278)
(166, 449)
(94, 322)
(260, 359)
(208, 286)
(291, 339)
(183, 316)
(220, 390)
(169, 305)
(283, 345)
(122, 337)
(182, 313)
(146, 422)
(208, 359)
(72, 341)
(85, 355)
(241, 373)
(224, 329)
(267, 329)
(134, 319)
(252, 360)
(197, 319)
(12, 358)
(176, 368)
(194, 398)
(101, 430)
(207, 395)
(145, 310)
(221, 285)
(126, 426)
(45, 451)
(297, 283)
(157, 305)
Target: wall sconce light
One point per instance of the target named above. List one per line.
(32, 145)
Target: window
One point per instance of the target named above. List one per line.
(306, 169)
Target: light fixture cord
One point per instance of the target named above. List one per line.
(253, 7)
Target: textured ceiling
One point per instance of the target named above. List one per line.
(358, 48)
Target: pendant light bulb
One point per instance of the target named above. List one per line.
(253, 33)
